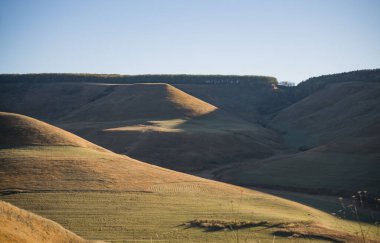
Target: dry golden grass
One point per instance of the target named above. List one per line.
(160, 216)
(17, 129)
(191, 105)
(74, 168)
(19, 226)
(148, 200)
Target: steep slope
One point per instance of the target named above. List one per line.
(102, 195)
(18, 225)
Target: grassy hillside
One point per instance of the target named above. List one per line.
(18, 225)
(102, 195)
(140, 101)
(145, 121)
(19, 130)
(71, 168)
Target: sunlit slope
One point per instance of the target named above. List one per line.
(20, 130)
(18, 225)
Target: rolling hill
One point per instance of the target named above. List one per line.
(22, 130)
(43, 157)
(145, 121)
(101, 195)
(18, 225)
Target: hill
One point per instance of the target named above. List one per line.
(145, 121)
(140, 101)
(18, 225)
(102, 195)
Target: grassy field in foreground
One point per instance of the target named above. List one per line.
(158, 217)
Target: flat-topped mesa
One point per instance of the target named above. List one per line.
(148, 78)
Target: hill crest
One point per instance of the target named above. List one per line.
(18, 129)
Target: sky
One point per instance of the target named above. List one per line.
(288, 39)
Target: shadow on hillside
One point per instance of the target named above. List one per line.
(186, 144)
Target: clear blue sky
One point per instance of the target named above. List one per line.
(291, 40)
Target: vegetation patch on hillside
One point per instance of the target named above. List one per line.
(214, 225)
